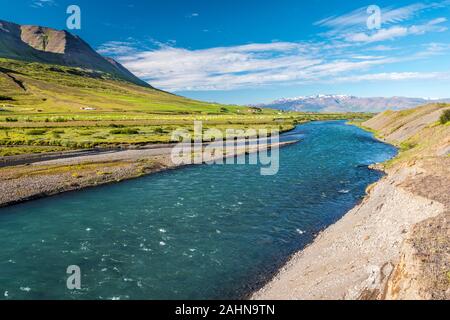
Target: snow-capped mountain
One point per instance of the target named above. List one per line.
(346, 103)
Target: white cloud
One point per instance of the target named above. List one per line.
(397, 32)
(431, 26)
(382, 48)
(380, 35)
(42, 3)
(117, 48)
(353, 25)
(193, 15)
(359, 17)
(389, 15)
(225, 68)
(394, 76)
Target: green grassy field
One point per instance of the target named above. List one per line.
(51, 108)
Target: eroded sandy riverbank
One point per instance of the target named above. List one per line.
(396, 243)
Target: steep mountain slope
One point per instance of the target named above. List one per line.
(46, 45)
(344, 103)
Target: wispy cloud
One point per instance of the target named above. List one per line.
(398, 31)
(251, 65)
(116, 48)
(42, 3)
(352, 26)
(219, 68)
(394, 76)
(389, 15)
(193, 15)
(358, 17)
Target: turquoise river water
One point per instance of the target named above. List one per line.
(201, 232)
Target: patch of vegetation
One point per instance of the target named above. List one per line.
(124, 131)
(405, 146)
(13, 151)
(59, 119)
(159, 130)
(114, 125)
(36, 132)
(86, 133)
(445, 117)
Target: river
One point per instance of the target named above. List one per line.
(201, 232)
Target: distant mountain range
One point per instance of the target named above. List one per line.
(46, 45)
(345, 103)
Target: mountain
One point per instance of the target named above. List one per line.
(345, 103)
(46, 45)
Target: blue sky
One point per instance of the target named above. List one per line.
(252, 51)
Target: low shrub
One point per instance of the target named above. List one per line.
(114, 125)
(36, 132)
(159, 131)
(59, 119)
(405, 146)
(445, 117)
(86, 133)
(124, 131)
